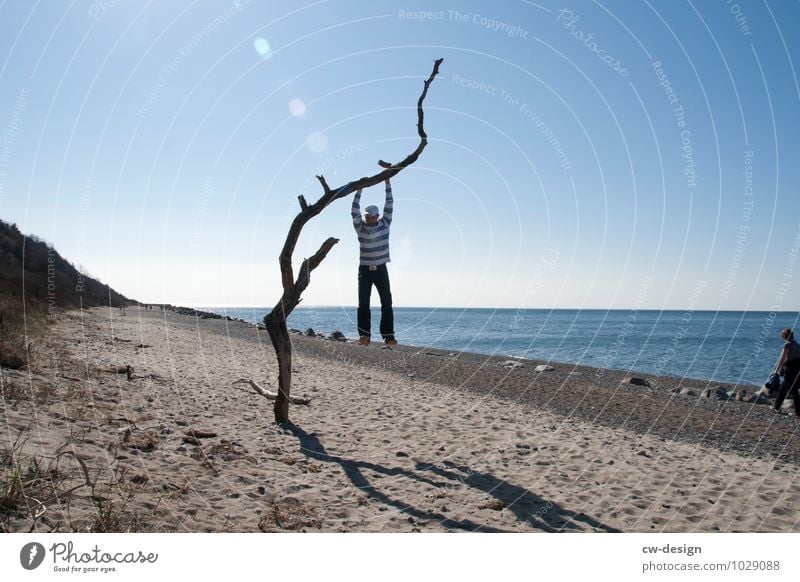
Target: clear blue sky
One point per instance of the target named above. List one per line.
(582, 154)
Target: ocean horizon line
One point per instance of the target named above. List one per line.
(461, 308)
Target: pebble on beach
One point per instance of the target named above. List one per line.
(634, 381)
(512, 364)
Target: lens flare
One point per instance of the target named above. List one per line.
(317, 142)
(262, 47)
(297, 107)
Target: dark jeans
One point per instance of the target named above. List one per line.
(790, 385)
(366, 279)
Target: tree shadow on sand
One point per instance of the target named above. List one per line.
(527, 506)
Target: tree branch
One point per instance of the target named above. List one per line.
(329, 194)
(312, 263)
(270, 395)
(325, 187)
(291, 296)
(393, 169)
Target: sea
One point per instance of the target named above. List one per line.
(728, 347)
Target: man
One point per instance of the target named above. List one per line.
(373, 239)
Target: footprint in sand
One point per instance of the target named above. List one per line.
(695, 518)
(691, 508)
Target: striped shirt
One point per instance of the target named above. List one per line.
(373, 240)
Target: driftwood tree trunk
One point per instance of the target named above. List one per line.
(293, 289)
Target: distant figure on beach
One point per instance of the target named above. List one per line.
(789, 367)
(373, 239)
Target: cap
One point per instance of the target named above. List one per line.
(372, 210)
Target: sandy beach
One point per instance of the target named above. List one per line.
(395, 440)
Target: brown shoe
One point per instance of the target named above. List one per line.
(391, 342)
(363, 340)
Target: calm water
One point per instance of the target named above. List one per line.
(724, 346)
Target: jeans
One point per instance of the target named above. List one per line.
(379, 278)
(790, 386)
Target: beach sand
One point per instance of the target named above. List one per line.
(394, 440)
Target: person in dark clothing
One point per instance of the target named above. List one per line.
(373, 239)
(789, 367)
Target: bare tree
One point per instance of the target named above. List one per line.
(293, 288)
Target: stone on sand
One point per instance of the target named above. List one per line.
(512, 364)
(634, 381)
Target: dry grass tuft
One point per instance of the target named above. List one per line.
(289, 514)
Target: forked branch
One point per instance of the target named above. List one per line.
(293, 288)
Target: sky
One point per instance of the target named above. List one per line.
(626, 155)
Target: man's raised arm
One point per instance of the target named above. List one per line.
(355, 211)
(389, 204)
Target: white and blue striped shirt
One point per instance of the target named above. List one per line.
(373, 240)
